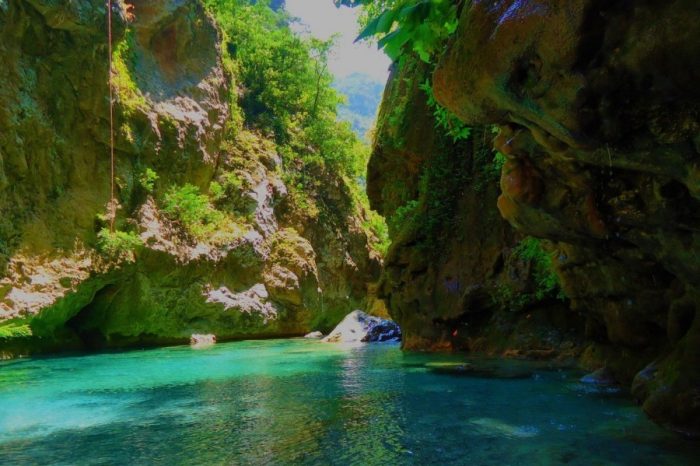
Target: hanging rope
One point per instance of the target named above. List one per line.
(112, 202)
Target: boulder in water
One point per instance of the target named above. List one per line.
(199, 340)
(359, 326)
(314, 335)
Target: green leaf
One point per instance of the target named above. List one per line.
(370, 30)
(380, 25)
(386, 21)
(451, 26)
(416, 12)
(422, 51)
(393, 42)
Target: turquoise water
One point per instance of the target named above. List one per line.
(305, 402)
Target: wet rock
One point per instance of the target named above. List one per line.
(602, 376)
(361, 327)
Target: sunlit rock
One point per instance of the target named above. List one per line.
(361, 327)
(198, 340)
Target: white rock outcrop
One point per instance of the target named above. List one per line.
(359, 327)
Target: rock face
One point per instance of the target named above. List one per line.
(359, 327)
(452, 278)
(263, 277)
(597, 106)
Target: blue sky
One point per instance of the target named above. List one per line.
(322, 19)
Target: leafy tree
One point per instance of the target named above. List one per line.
(285, 85)
(421, 26)
(284, 89)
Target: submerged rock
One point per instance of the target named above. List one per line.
(479, 370)
(491, 426)
(359, 326)
(314, 335)
(602, 376)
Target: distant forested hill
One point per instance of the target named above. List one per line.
(364, 94)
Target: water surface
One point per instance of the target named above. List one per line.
(305, 402)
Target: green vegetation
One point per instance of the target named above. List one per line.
(489, 164)
(445, 119)
(147, 179)
(118, 244)
(228, 186)
(14, 329)
(546, 281)
(126, 90)
(402, 215)
(216, 191)
(376, 224)
(498, 161)
(195, 212)
(441, 186)
(401, 26)
(286, 86)
(286, 92)
(440, 189)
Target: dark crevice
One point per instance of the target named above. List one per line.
(83, 323)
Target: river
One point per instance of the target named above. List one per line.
(306, 402)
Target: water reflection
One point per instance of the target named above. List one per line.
(371, 412)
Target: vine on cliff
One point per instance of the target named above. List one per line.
(545, 282)
(445, 119)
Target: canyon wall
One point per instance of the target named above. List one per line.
(456, 276)
(252, 264)
(595, 106)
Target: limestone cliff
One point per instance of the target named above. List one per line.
(267, 268)
(597, 108)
